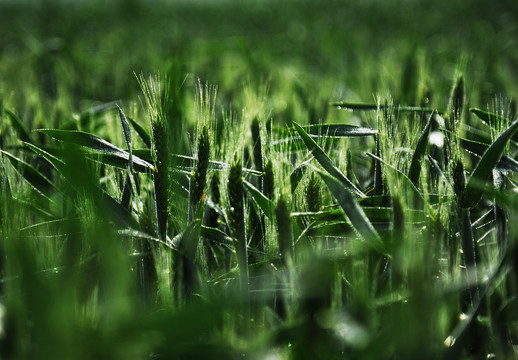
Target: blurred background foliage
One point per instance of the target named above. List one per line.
(74, 297)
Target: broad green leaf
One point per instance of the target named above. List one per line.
(325, 162)
(419, 152)
(474, 188)
(506, 162)
(217, 236)
(374, 107)
(57, 163)
(264, 203)
(488, 118)
(83, 139)
(324, 132)
(354, 213)
(120, 161)
(332, 130)
(96, 144)
(36, 179)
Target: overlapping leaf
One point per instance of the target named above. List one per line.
(474, 188)
(325, 162)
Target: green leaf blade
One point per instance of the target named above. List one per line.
(95, 144)
(325, 162)
(264, 203)
(36, 179)
(354, 213)
(473, 191)
(419, 152)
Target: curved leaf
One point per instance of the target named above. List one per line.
(57, 163)
(478, 148)
(474, 188)
(374, 107)
(36, 179)
(17, 124)
(264, 203)
(489, 118)
(127, 136)
(325, 162)
(325, 130)
(144, 135)
(96, 144)
(354, 213)
(420, 149)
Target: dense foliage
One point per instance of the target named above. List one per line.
(255, 179)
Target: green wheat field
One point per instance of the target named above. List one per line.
(258, 179)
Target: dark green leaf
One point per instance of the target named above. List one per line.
(354, 213)
(489, 118)
(419, 152)
(474, 188)
(57, 163)
(96, 144)
(407, 184)
(127, 136)
(144, 135)
(31, 175)
(325, 162)
(374, 107)
(217, 236)
(327, 130)
(264, 203)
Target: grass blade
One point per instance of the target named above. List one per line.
(217, 236)
(144, 135)
(56, 162)
(407, 184)
(327, 130)
(264, 203)
(325, 162)
(474, 188)
(489, 118)
(127, 136)
(419, 152)
(96, 144)
(31, 175)
(375, 107)
(83, 139)
(354, 213)
(17, 124)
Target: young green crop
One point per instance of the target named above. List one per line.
(359, 229)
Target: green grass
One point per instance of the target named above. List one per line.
(258, 180)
